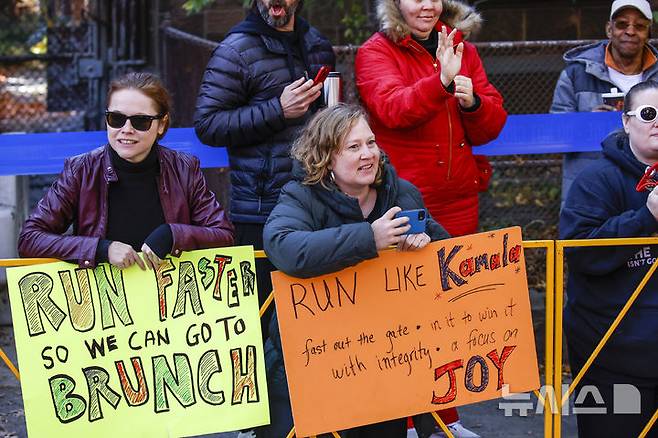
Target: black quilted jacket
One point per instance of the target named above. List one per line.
(238, 107)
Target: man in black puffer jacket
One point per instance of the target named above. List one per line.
(254, 98)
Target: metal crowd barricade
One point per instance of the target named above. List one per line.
(553, 343)
(560, 245)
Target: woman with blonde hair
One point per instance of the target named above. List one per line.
(339, 210)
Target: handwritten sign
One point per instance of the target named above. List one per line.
(106, 352)
(407, 333)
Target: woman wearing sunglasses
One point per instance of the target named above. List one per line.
(130, 195)
(603, 203)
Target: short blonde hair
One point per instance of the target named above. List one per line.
(322, 137)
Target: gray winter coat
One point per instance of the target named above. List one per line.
(314, 231)
(586, 76)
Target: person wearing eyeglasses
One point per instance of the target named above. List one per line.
(604, 202)
(610, 66)
(130, 195)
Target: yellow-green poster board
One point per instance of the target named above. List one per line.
(129, 353)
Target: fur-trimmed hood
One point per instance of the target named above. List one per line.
(455, 14)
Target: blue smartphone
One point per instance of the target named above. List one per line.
(417, 220)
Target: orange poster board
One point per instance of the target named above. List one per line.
(408, 332)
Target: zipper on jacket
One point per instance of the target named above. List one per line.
(414, 45)
(105, 194)
(449, 141)
(165, 189)
(164, 198)
(421, 50)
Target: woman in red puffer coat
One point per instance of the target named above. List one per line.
(430, 103)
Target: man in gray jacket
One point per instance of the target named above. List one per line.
(618, 63)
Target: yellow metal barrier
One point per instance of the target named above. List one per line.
(560, 245)
(548, 245)
(12, 263)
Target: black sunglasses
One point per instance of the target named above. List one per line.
(644, 113)
(139, 122)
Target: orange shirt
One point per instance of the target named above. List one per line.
(648, 59)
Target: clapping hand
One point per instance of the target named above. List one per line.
(652, 202)
(464, 91)
(449, 57)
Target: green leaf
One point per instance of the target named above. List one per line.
(195, 6)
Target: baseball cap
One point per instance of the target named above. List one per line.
(641, 5)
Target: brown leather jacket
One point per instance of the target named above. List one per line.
(79, 197)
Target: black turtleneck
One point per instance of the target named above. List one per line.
(430, 44)
(135, 215)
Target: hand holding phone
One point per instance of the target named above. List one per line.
(417, 220)
(387, 230)
(322, 74)
(297, 96)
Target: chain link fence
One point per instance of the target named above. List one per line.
(43, 87)
(184, 60)
(40, 88)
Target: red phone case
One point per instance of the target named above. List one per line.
(322, 74)
(649, 180)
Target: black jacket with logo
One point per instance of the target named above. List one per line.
(603, 203)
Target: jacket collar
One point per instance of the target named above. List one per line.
(110, 174)
(108, 168)
(592, 56)
(408, 40)
(616, 147)
(254, 25)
